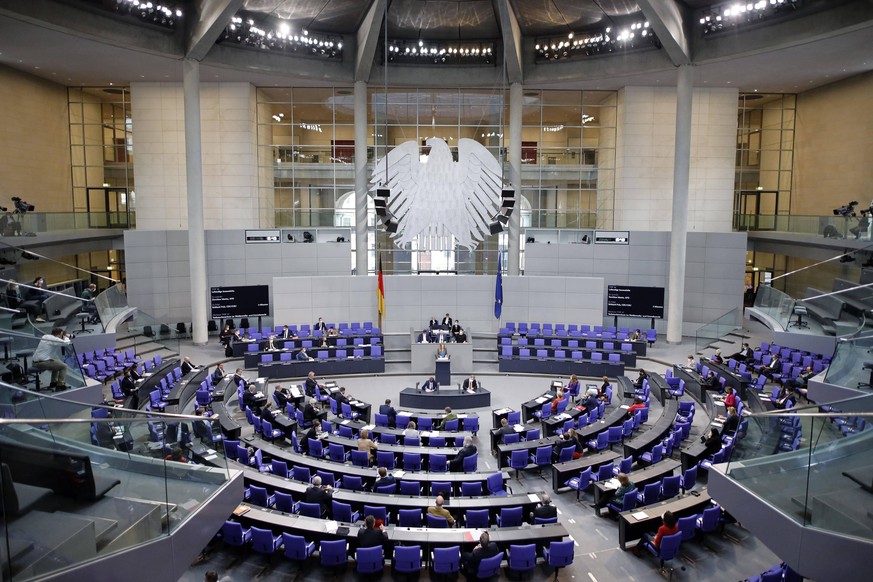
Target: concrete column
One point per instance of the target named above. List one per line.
(678, 240)
(362, 178)
(194, 179)
(516, 96)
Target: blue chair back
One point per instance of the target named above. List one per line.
(437, 522)
(333, 553)
(447, 560)
(489, 567)
(522, 558)
(409, 518)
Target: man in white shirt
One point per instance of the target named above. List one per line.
(49, 356)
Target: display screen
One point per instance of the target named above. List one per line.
(627, 301)
(247, 301)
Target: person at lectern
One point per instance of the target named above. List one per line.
(442, 351)
(430, 385)
(471, 384)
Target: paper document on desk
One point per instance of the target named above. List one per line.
(611, 484)
(624, 406)
(533, 497)
(518, 428)
(541, 399)
(399, 473)
(369, 427)
(503, 411)
(346, 421)
(330, 527)
(640, 515)
(462, 415)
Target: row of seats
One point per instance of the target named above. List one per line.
(374, 352)
(573, 330)
(509, 352)
(103, 365)
(405, 559)
(305, 330)
(292, 344)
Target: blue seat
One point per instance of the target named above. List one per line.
(343, 512)
(522, 558)
(333, 553)
(316, 448)
(601, 442)
(409, 518)
(518, 461)
(494, 483)
(337, 453)
(709, 520)
(280, 468)
(477, 518)
(624, 466)
(668, 548)
(390, 489)
(296, 547)
(260, 497)
(489, 567)
(233, 534)
(626, 503)
(670, 486)
(580, 483)
(437, 464)
(264, 542)
(545, 520)
(437, 522)
(509, 517)
(353, 483)
(447, 561)
(471, 424)
(299, 473)
(410, 488)
(284, 502)
(361, 458)
(471, 463)
(471, 489)
(653, 456)
(443, 488)
(407, 559)
(309, 509)
(411, 461)
(377, 511)
(650, 494)
(559, 554)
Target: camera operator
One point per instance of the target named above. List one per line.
(49, 355)
(863, 223)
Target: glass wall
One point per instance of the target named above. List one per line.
(101, 150)
(765, 158)
(306, 158)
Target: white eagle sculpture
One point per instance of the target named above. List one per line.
(438, 196)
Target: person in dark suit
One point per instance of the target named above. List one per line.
(309, 413)
(287, 333)
(470, 560)
(456, 327)
(638, 383)
(385, 478)
(505, 429)
(546, 510)
(788, 398)
(731, 422)
(311, 385)
(711, 382)
(128, 388)
(280, 396)
(774, 367)
(187, 366)
(744, 354)
(468, 450)
(311, 433)
(302, 356)
(341, 397)
(249, 398)
(433, 323)
(316, 493)
(371, 536)
(319, 325)
(461, 336)
(430, 385)
(712, 442)
(446, 322)
(388, 410)
(218, 374)
(267, 414)
(238, 377)
(471, 384)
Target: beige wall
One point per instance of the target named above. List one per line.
(34, 142)
(834, 146)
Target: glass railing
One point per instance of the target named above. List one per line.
(717, 329)
(40, 222)
(813, 467)
(143, 329)
(830, 226)
(848, 364)
(775, 304)
(98, 481)
(110, 303)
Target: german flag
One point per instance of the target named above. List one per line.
(380, 291)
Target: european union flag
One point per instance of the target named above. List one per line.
(498, 290)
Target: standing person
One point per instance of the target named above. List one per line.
(442, 351)
(49, 355)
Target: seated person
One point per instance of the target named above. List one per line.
(638, 383)
(449, 416)
(557, 401)
(438, 510)
(716, 357)
(637, 405)
(468, 450)
(89, 294)
(636, 336)
(311, 433)
(573, 385)
(485, 549)
(249, 399)
(564, 443)
(669, 527)
(712, 441)
(187, 366)
(787, 399)
(471, 384)
(601, 393)
(744, 354)
(287, 333)
(267, 414)
(319, 494)
(341, 397)
(730, 398)
(280, 397)
(385, 478)
(365, 443)
(802, 379)
(505, 429)
(302, 356)
(461, 336)
(424, 337)
(311, 385)
(710, 382)
(371, 536)
(774, 367)
(731, 422)
(389, 411)
(625, 486)
(219, 374)
(690, 363)
(238, 377)
(434, 323)
(430, 385)
(410, 431)
(456, 327)
(590, 402)
(271, 344)
(545, 510)
(309, 413)
(446, 323)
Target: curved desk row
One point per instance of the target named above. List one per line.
(572, 341)
(647, 439)
(153, 380)
(230, 428)
(368, 474)
(242, 348)
(251, 359)
(565, 367)
(628, 357)
(297, 369)
(424, 436)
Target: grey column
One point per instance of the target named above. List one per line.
(362, 179)
(678, 240)
(194, 182)
(516, 97)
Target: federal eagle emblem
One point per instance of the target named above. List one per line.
(437, 196)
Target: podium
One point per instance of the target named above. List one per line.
(443, 372)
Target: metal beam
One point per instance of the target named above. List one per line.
(511, 33)
(368, 39)
(668, 21)
(205, 25)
